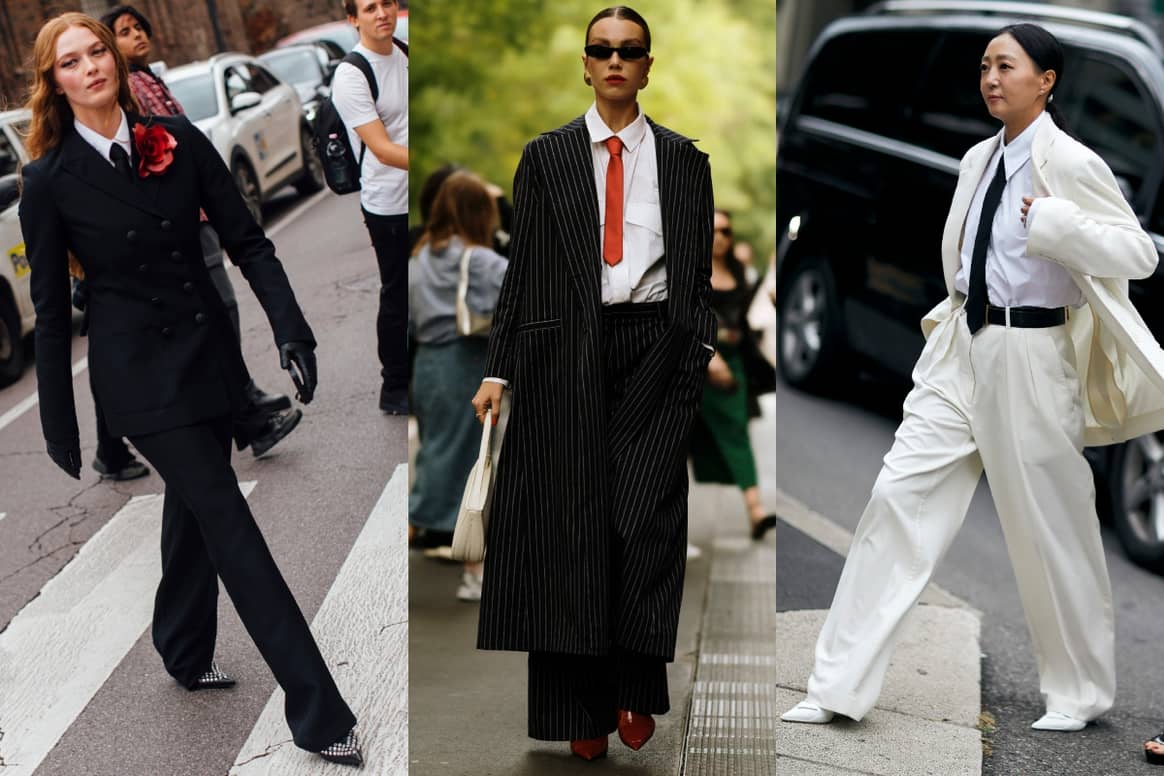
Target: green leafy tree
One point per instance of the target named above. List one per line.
(488, 77)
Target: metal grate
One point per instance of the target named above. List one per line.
(731, 727)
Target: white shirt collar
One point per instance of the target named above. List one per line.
(1018, 151)
(630, 135)
(102, 144)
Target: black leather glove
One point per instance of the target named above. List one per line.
(300, 357)
(67, 456)
(80, 294)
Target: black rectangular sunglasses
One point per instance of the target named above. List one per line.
(624, 52)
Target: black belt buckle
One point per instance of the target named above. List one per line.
(1028, 317)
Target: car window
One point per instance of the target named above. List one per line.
(261, 79)
(849, 81)
(9, 159)
(237, 81)
(949, 115)
(196, 96)
(1109, 113)
(295, 66)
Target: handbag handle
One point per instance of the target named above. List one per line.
(486, 435)
(463, 294)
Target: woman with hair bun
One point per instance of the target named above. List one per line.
(1036, 352)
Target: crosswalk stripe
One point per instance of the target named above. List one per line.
(60, 649)
(30, 401)
(362, 629)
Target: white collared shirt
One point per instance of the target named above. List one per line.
(641, 276)
(101, 143)
(1013, 278)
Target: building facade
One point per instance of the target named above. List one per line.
(184, 30)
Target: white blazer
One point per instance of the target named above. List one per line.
(1085, 224)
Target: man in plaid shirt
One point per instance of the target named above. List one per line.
(265, 422)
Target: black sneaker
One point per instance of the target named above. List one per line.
(394, 401)
(266, 402)
(279, 427)
(133, 469)
(213, 679)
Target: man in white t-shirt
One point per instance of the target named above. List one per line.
(381, 126)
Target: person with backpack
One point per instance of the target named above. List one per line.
(370, 93)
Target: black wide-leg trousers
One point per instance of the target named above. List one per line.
(208, 533)
(579, 696)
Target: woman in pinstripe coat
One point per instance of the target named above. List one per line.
(603, 334)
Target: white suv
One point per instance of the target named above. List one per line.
(16, 314)
(254, 121)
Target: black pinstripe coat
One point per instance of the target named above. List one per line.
(554, 581)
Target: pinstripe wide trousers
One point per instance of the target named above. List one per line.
(1005, 401)
(578, 696)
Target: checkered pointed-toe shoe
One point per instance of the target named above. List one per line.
(214, 679)
(346, 751)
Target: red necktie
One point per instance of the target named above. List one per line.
(612, 234)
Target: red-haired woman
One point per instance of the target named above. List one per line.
(122, 194)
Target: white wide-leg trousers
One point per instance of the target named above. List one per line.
(1005, 401)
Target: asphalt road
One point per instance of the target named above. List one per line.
(829, 451)
(313, 494)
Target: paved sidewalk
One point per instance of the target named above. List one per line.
(927, 716)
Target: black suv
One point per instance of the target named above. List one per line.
(867, 164)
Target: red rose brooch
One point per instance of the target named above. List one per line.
(155, 149)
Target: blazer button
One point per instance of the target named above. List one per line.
(166, 331)
(176, 256)
(143, 267)
(188, 287)
(131, 236)
(199, 318)
(156, 302)
(167, 226)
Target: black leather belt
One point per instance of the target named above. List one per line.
(1027, 317)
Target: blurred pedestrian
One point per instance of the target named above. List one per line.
(1037, 226)
(121, 193)
(262, 423)
(379, 128)
(603, 334)
(745, 257)
(1154, 750)
(720, 448)
(460, 229)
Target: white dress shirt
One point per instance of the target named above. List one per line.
(641, 276)
(101, 143)
(1014, 279)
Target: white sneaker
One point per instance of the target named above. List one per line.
(470, 589)
(1060, 723)
(808, 712)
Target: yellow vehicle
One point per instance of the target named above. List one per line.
(16, 313)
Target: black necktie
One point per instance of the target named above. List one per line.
(976, 298)
(120, 160)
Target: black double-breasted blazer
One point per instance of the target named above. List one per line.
(553, 582)
(162, 352)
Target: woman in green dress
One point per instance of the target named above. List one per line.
(720, 448)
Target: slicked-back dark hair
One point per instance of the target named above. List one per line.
(110, 17)
(622, 12)
(1046, 52)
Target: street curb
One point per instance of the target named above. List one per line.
(926, 718)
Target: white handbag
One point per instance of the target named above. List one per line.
(469, 323)
(472, 518)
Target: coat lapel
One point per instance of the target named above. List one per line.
(574, 202)
(954, 232)
(83, 161)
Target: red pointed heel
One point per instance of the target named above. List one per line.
(635, 729)
(589, 748)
